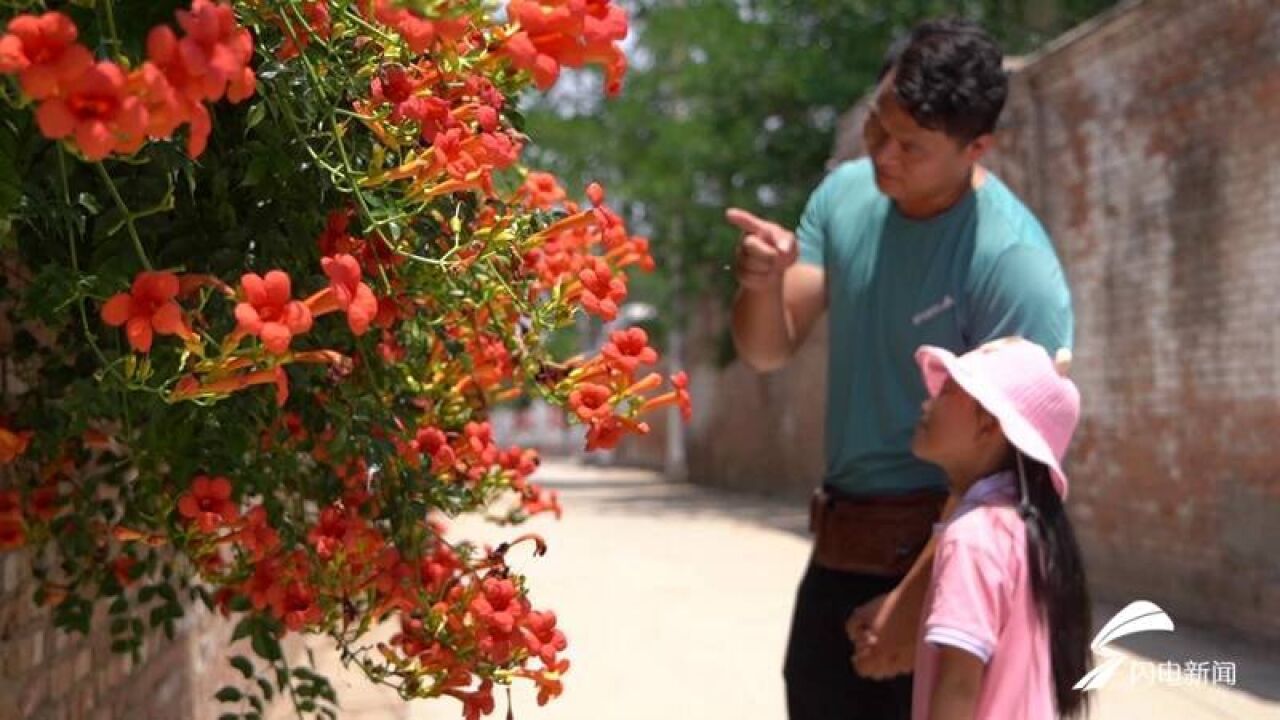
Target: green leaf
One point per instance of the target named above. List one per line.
(244, 629)
(169, 594)
(256, 114)
(265, 645)
(10, 173)
(267, 691)
(242, 663)
(89, 202)
(229, 694)
(203, 595)
(259, 168)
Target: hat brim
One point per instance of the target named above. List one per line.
(937, 364)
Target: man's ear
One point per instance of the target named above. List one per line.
(979, 147)
(1062, 362)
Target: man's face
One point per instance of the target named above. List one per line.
(912, 162)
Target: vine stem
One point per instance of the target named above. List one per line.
(347, 170)
(128, 216)
(84, 317)
(111, 24)
(284, 660)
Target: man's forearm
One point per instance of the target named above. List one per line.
(911, 590)
(761, 329)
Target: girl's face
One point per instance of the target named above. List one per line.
(954, 431)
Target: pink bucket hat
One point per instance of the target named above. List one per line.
(1016, 381)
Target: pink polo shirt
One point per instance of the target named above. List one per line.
(980, 601)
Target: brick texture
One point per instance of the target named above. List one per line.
(46, 674)
(1147, 146)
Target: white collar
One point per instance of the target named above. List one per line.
(999, 483)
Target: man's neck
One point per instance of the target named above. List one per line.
(929, 207)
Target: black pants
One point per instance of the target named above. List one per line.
(821, 681)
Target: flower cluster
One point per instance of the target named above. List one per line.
(293, 416)
(101, 108)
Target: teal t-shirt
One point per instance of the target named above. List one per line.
(982, 270)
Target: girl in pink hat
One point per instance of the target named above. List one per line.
(1006, 621)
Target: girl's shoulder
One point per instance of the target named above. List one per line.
(993, 528)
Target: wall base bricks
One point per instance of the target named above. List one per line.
(46, 674)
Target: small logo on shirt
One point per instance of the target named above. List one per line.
(1144, 616)
(933, 311)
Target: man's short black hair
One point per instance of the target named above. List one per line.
(950, 77)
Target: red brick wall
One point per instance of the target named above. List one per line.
(1148, 144)
(45, 673)
(1148, 147)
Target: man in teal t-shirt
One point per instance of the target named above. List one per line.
(981, 269)
(916, 244)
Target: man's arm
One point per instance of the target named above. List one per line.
(885, 629)
(770, 324)
(778, 300)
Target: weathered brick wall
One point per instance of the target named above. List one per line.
(46, 674)
(1147, 144)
